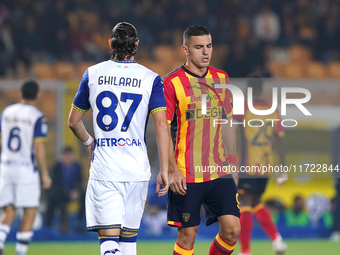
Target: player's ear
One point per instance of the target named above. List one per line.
(185, 50)
(38, 94)
(109, 41)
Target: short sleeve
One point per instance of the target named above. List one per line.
(40, 129)
(170, 98)
(157, 100)
(81, 100)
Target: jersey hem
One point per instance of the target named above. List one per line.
(100, 179)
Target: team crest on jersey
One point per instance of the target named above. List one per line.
(186, 216)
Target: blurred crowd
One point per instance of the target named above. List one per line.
(77, 30)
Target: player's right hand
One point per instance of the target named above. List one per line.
(162, 179)
(47, 182)
(178, 183)
(89, 150)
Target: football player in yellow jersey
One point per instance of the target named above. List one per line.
(257, 150)
(200, 146)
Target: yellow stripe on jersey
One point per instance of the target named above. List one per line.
(223, 81)
(40, 139)
(78, 109)
(184, 124)
(197, 142)
(158, 109)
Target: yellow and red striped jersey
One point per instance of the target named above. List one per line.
(199, 150)
(258, 135)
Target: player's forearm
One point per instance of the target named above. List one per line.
(281, 150)
(77, 126)
(79, 131)
(162, 137)
(41, 157)
(229, 138)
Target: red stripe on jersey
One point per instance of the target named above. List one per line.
(189, 159)
(216, 153)
(179, 123)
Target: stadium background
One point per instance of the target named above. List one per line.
(294, 41)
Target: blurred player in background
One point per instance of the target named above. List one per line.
(257, 150)
(335, 235)
(200, 144)
(67, 178)
(23, 133)
(121, 94)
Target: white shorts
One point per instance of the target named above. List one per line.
(115, 204)
(20, 195)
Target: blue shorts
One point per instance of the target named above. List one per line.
(252, 185)
(218, 197)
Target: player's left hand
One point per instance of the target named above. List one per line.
(162, 179)
(47, 181)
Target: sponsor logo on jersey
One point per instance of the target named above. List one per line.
(112, 142)
(215, 112)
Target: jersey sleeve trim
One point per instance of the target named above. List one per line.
(79, 109)
(158, 109)
(40, 139)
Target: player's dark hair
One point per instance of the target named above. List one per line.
(255, 80)
(67, 149)
(123, 41)
(194, 30)
(30, 90)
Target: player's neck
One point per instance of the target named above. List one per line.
(132, 58)
(29, 102)
(196, 69)
(125, 59)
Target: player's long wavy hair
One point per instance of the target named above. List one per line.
(123, 41)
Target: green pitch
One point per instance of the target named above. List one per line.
(295, 247)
